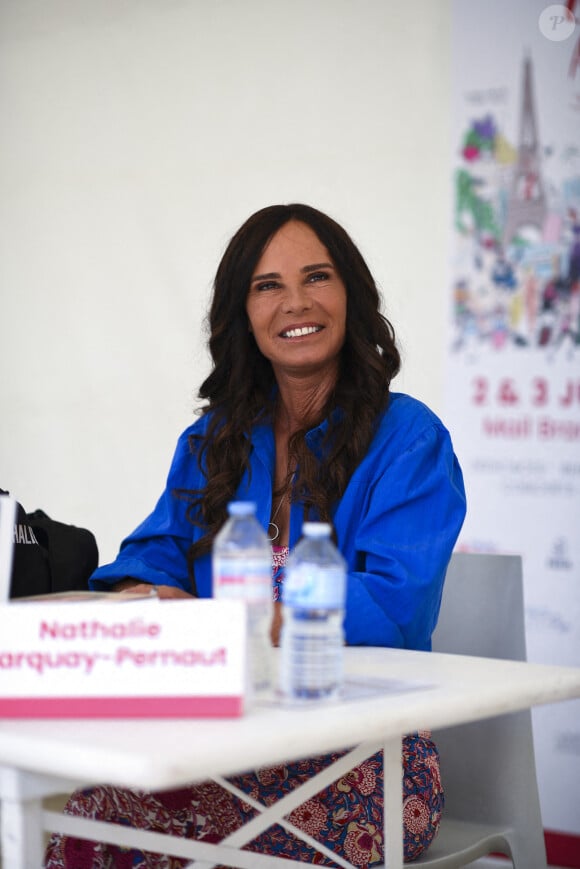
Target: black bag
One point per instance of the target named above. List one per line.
(50, 556)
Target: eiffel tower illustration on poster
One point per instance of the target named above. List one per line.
(527, 201)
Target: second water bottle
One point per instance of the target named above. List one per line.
(313, 612)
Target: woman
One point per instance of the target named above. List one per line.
(300, 418)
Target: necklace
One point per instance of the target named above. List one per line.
(275, 532)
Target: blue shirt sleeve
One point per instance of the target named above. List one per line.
(156, 551)
(403, 542)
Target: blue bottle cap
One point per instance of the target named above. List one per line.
(241, 508)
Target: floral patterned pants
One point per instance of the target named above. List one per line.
(346, 816)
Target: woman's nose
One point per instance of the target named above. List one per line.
(296, 299)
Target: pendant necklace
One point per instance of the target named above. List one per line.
(273, 530)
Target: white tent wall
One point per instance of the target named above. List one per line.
(136, 136)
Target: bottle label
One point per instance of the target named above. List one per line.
(312, 586)
(312, 654)
(250, 579)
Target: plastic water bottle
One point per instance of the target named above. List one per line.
(242, 570)
(313, 607)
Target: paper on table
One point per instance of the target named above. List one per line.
(355, 688)
(89, 596)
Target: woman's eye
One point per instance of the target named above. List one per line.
(266, 285)
(319, 276)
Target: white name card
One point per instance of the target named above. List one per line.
(143, 658)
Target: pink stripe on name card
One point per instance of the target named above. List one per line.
(121, 707)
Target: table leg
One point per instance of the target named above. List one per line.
(393, 811)
(21, 828)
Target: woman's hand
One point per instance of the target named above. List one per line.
(163, 591)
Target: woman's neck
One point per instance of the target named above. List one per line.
(301, 401)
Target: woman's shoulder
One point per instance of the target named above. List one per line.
(198, 427)
(195, 431)
(405, 420)
(188, 445)
(404, 407)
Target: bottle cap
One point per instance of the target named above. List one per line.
(316, 529)
(241, 508)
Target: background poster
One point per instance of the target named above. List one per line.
(513, 381)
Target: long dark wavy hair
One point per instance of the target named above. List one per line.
(241, 389)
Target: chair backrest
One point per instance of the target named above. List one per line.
(7, 518)
(488, 767)
(482, 611)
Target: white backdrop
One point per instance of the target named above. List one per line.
(136, 136)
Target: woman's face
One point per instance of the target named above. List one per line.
(296, 303)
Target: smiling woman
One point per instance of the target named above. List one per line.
(299, 418)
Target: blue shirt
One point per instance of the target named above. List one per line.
(396, 524)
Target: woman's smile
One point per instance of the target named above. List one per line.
(301, 331)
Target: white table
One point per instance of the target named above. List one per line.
(405, 691)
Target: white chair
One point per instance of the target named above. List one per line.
(488, 767)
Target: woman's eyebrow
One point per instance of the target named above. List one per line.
(315, 267)
(266, 277)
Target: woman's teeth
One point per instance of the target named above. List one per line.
(304, 330)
